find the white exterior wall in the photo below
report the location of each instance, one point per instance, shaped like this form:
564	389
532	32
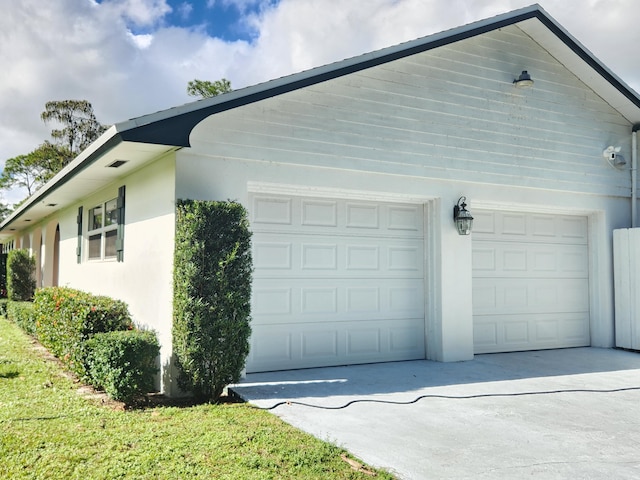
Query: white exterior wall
428	129
144	279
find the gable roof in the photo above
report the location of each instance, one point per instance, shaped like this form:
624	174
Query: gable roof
142	139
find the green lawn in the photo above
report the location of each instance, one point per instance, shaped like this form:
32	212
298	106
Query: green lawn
49	431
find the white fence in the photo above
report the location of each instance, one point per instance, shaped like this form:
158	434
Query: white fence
626	264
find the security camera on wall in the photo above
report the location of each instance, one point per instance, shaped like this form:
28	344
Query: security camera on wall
612	154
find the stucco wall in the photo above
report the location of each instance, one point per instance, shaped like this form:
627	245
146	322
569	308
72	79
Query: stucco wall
144	278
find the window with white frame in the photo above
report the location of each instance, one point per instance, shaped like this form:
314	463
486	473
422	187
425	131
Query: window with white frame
103	230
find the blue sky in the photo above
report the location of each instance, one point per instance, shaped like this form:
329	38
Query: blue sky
220	19
224	19
134	57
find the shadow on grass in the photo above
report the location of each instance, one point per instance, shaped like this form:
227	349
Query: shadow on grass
153	400
7	370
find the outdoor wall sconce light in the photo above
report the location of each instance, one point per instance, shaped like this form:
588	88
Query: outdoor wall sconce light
524	80
462	217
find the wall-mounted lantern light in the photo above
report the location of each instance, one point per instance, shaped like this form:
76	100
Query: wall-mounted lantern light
462	217
524	80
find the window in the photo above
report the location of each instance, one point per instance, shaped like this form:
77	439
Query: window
103	230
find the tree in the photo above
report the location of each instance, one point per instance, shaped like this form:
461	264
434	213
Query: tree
207	89
81	127
5	211
32	170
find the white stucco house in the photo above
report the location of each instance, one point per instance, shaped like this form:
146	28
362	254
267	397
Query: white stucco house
350	173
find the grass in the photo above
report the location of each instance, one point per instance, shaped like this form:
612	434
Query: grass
49	431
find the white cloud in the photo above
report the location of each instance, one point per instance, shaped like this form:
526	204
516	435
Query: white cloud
141	41
143	13
85	50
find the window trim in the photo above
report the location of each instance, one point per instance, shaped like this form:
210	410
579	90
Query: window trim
116	226
103	230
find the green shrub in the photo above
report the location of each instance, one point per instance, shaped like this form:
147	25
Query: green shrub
66	318
212	291
23	314
123	364
3	275
21	268
3	306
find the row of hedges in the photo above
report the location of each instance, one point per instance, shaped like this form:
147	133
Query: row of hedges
93	336
66	318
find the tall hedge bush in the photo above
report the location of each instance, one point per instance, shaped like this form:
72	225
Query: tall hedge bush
212	293
66	318
21	280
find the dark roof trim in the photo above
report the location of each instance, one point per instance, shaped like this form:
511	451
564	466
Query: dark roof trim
587	57
62	177
175	129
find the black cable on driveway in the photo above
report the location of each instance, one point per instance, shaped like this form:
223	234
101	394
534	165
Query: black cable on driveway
448	397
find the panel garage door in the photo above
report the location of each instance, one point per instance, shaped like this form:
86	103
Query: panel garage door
336	282
530	281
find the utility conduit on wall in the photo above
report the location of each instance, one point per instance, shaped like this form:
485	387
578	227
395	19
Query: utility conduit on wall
634	175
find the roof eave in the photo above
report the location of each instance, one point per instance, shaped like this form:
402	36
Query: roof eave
108	140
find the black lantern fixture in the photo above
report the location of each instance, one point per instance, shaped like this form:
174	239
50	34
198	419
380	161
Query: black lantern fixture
524	80
462	217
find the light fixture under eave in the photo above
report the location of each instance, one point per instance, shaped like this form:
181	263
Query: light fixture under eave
462	217
524	80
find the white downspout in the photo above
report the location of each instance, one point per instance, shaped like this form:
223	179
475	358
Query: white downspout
634	175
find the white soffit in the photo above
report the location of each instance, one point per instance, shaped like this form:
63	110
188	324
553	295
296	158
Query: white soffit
87	181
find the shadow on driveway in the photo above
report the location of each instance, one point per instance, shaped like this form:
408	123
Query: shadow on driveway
331	385
570	413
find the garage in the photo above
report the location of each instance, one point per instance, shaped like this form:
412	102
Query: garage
530	281
336	282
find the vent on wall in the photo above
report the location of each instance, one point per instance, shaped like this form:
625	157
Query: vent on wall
117	163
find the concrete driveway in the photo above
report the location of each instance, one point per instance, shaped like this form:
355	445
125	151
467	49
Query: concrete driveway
555	414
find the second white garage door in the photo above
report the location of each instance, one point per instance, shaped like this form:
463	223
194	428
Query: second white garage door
530	281
336	282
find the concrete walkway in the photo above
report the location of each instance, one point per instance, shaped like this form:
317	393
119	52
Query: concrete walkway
555	414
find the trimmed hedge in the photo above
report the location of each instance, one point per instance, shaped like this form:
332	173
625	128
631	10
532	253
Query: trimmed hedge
123	364
212	293
66	318
21	268
23	314
94	337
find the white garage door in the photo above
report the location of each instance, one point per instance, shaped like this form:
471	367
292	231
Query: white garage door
336	282
530	281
